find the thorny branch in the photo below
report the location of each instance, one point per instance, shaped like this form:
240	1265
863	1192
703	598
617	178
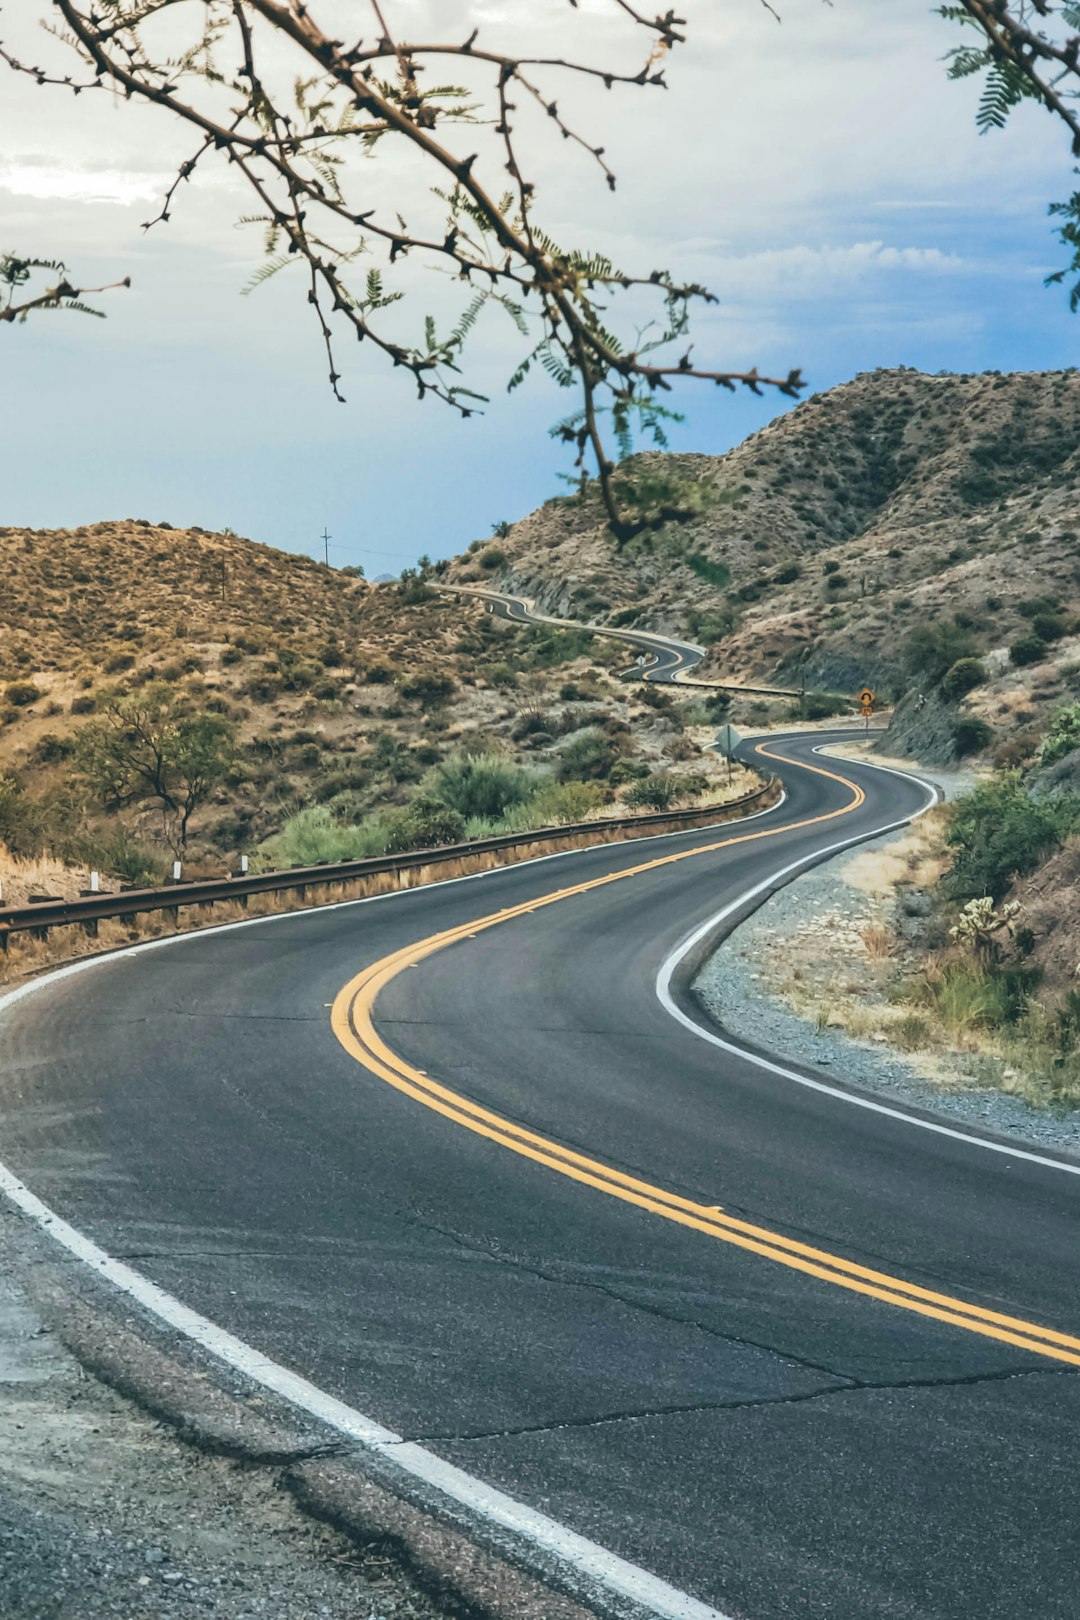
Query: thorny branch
17	300
1027	50
291	134
291	138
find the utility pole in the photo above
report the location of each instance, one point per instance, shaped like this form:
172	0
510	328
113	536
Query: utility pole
326	546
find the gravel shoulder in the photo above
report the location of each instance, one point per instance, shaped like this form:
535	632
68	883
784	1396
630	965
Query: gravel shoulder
740	988
103	1512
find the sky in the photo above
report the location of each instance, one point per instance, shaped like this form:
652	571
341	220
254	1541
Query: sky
819	174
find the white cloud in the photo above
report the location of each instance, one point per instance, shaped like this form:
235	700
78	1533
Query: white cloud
51	183
816	268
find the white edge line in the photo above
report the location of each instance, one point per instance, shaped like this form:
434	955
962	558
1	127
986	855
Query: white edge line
585	1557
575	1552
683	949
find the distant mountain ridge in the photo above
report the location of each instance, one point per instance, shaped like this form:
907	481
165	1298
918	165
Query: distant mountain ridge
824	538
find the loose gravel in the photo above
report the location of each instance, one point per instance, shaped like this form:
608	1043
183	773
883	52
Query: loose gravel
104	1513
732	988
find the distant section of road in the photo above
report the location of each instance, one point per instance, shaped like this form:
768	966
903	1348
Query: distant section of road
669	661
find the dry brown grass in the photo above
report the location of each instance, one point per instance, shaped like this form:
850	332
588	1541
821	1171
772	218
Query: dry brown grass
19	878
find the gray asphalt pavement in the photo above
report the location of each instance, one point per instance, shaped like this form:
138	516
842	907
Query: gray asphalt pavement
758	1435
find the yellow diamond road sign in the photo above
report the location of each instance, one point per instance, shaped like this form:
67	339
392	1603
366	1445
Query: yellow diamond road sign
867	698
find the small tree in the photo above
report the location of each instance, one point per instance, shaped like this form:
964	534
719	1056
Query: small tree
151	745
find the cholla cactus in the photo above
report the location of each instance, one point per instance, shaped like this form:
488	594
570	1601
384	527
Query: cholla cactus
980	923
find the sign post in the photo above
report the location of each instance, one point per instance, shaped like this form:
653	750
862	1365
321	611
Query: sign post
727	740
867	699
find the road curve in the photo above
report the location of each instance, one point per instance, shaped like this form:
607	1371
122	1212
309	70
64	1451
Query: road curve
448	1154
670	661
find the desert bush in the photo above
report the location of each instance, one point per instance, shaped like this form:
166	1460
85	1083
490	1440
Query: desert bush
970	735
428	689
652	793
20	694
425	824
313	835
558	802
493	557
1030	649
822	706
627	770
119	855
788	574
22	821
1063	735
377	673
83	705
961	678
713	573
482	785
933	648
502	676
967	995
1049	627
588	758
997	832
50	748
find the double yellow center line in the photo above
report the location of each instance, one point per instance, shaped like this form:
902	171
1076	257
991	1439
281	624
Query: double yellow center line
353	1023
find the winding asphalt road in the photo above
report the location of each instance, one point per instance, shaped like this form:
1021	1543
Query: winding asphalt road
449	1155
669	662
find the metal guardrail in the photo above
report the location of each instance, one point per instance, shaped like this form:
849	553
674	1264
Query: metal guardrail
87	912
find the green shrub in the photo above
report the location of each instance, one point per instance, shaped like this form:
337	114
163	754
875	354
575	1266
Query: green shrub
627	770
713	573
377	674
22	693
969	995
961	678
558	802
1029	649
51	748
970	735
588	758
502	676
932	649
822	706
83	705
997	832
493	557
429	690
119	856
484	785
654	793
1049	627
426	824
1064	734
313	835
788	574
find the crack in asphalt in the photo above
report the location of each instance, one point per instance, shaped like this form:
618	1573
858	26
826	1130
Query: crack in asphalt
800	1398
533	1269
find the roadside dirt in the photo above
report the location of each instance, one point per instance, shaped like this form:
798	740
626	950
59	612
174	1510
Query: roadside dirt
103	1512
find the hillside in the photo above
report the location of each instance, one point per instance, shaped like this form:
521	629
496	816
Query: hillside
825	540
342	697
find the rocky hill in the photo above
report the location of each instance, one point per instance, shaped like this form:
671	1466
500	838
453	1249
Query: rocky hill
340	695
820	545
